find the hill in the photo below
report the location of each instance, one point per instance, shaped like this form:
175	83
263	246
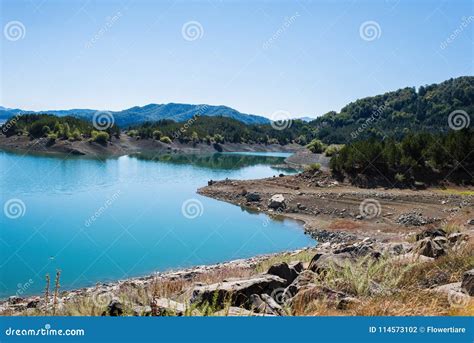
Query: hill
152	112
394	114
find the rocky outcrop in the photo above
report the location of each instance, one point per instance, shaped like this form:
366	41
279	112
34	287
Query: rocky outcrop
322	262
285	271
252	197
236	291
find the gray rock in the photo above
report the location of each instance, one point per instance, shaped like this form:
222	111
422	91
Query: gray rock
252	197
305	279
457	237
284	271
115	308
277	201
431	232
142	311
322	262
430	247
265	304
237	291
168	307
237	312
467	282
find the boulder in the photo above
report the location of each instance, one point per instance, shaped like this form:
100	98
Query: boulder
277	201
316	292
251	197
431	232
237	291
34	303
305	279
142	311
431	247
457	237
115	308
265	304
322	262
237	312
467	282
286	272
168	307
409	258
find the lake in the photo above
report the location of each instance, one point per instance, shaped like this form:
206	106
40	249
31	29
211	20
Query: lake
99	220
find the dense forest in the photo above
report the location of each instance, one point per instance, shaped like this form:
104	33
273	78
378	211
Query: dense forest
418	156
54	128
395	114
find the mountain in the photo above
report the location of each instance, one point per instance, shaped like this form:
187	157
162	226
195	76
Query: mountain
152	112
305	119
432	108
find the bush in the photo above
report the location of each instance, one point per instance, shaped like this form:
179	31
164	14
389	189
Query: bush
313	167
51	138
399	177
316	146
100	137
218	138
157	134
166	140
332	149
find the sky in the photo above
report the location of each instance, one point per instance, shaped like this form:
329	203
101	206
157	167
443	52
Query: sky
259	57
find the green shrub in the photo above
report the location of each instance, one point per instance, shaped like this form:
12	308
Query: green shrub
100	137
166	140
313	167
399	177
316	146
157	134
332	149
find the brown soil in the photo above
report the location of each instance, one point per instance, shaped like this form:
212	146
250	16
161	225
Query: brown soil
323	203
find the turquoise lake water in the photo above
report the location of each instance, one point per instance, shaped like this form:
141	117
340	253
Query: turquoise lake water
102	220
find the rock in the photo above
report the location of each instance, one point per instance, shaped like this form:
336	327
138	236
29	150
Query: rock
238	291
33	303
322	262
277	201
449	288
13	300
305	279
142	311
284	271
252	197
431	232
409	258
430	247
265	304
412	219
168	307
115	308
457	237
347	303
316	292
467	282
210	182
419	185
470	222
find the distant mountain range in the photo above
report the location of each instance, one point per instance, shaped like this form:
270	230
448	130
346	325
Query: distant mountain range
151	112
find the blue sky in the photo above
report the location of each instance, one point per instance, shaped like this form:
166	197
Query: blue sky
304	57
